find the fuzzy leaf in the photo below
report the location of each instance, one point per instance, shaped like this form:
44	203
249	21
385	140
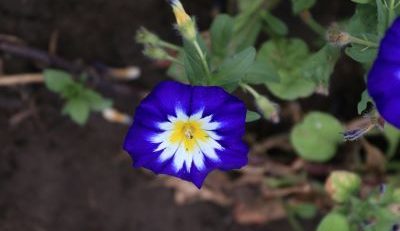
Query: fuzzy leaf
300	5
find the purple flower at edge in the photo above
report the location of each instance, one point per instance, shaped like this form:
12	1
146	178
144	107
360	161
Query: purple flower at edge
384	77
187	131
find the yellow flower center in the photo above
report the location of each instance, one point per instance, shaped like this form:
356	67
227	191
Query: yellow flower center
188	133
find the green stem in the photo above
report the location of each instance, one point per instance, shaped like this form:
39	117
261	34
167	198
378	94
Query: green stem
309	20
392	12
363	42
174	60
169	46
251	90
203	59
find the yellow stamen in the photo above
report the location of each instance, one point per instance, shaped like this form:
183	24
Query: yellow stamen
189	133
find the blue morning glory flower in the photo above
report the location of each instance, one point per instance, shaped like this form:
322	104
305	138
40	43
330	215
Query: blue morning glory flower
187	131
384	77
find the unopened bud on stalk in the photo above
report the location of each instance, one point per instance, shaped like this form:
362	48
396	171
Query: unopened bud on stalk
114	116
341	185
337	37
146	37
184	22
268	109
155	53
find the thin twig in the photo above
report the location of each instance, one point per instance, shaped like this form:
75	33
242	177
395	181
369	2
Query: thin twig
21	79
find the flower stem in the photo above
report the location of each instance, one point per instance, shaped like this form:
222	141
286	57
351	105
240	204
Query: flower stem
392	13
203	59
169	46
363	42
310	21
251	90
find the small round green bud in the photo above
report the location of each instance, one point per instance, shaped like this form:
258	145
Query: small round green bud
341	185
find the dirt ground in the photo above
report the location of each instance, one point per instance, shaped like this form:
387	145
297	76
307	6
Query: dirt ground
55	175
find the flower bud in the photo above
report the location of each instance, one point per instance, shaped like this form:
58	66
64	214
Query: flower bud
268	109
155	53
337	37
341	185
185	23
145	37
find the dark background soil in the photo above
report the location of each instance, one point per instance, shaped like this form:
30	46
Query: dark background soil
55	175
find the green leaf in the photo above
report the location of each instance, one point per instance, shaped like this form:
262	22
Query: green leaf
317	137
361	1
78	110
301	5
363	21
252	116
287	57
95	101
334	222
392	135
382	17
274	24
260	73
196	72
305	210
234	68
362	105
57	80
361	54
319	67
221	34
177	70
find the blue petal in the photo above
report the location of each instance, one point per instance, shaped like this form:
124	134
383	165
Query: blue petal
162	102
139	147
168	95
234	156
384	77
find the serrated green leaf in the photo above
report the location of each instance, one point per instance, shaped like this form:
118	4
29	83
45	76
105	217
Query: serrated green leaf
274	24
362	105
221	33
234	68
95	101
317	137
299	6
78	110
319	66
57	80
252	116
334	222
